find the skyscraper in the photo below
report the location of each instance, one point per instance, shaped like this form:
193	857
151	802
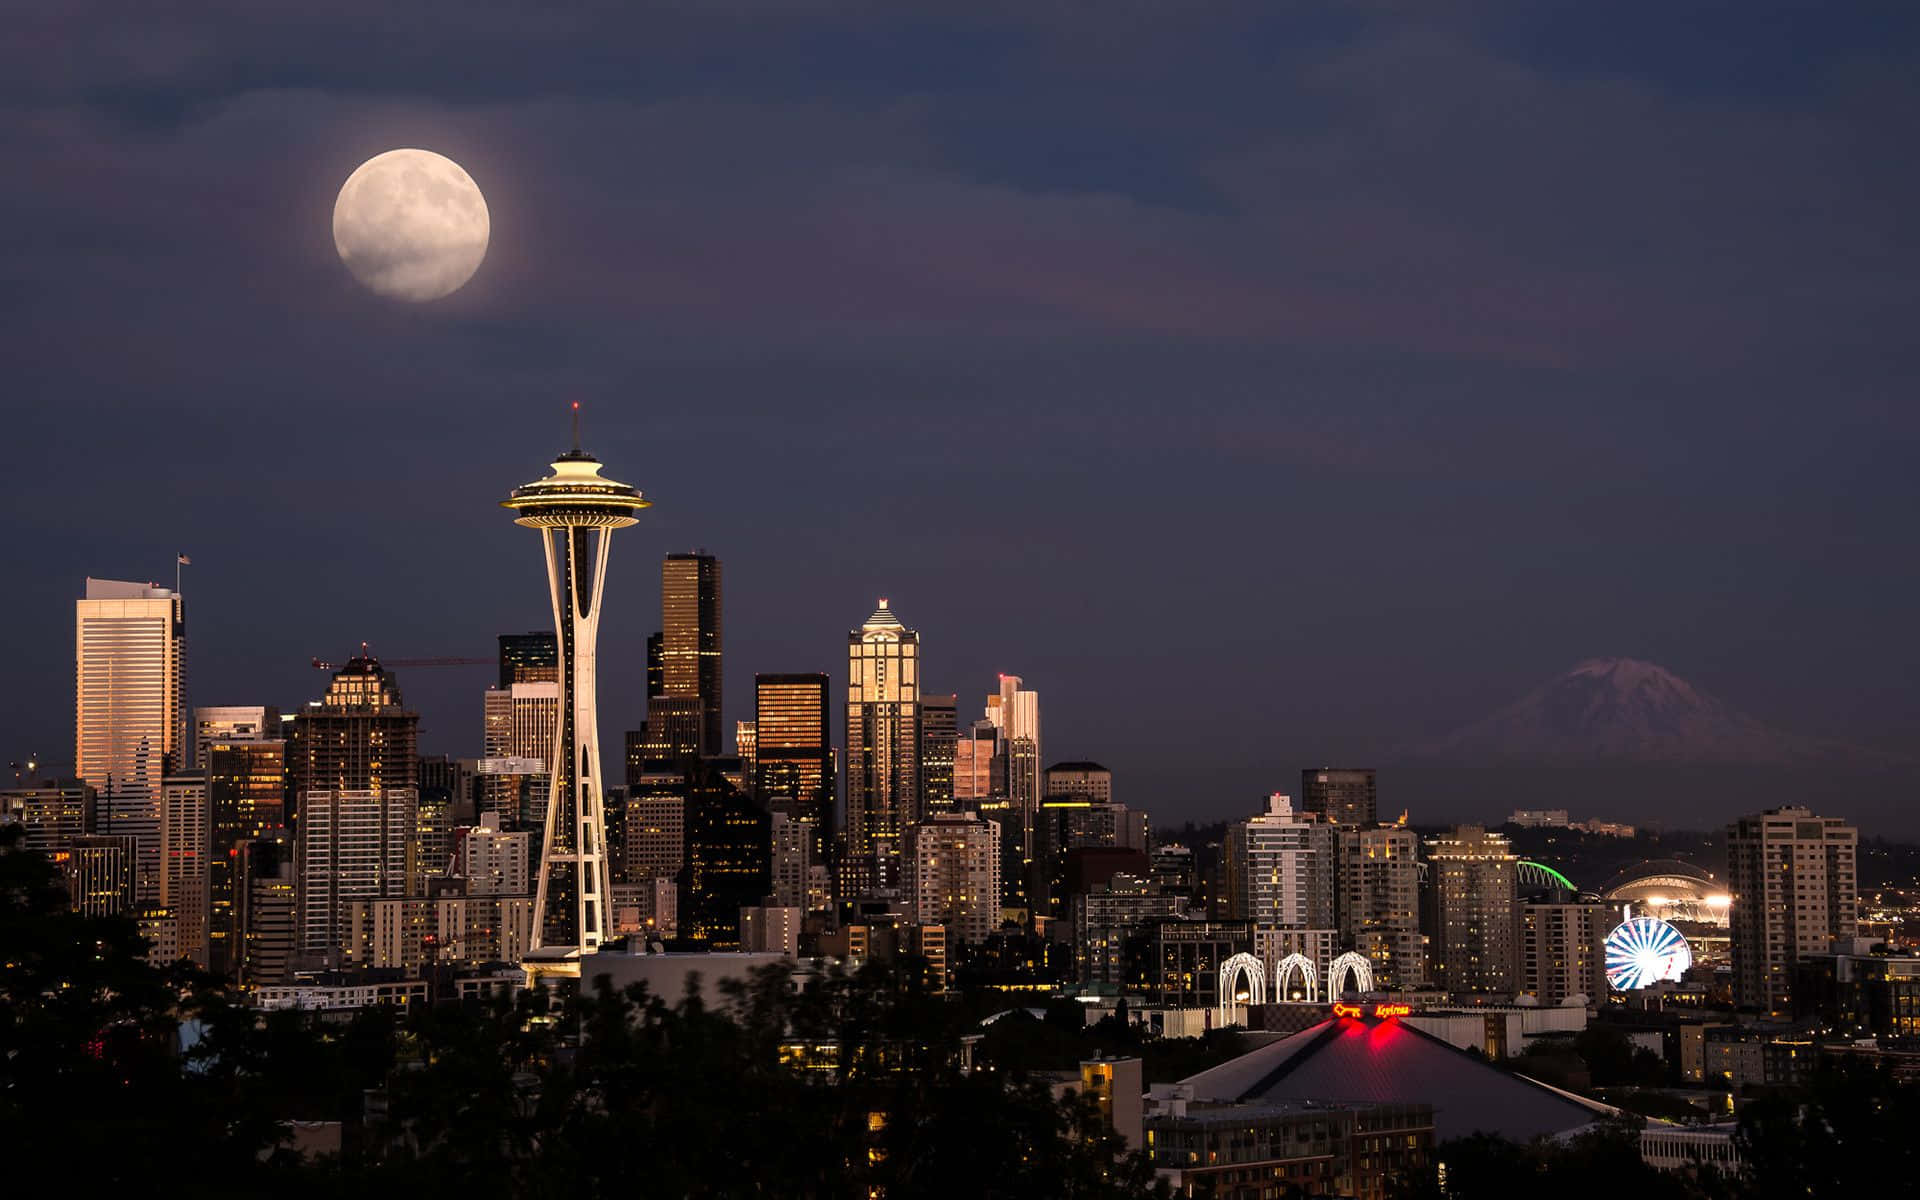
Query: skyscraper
1340	795
353	845
266	909
690	639
939	737
231	723
575	512
359	736
246	797
729	859
130	729
883	749
1795	884
184	845
529	658
793	752
979	771
1015	711
1473	917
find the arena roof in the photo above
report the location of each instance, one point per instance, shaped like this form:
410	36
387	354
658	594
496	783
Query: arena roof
1667	872
1387	1061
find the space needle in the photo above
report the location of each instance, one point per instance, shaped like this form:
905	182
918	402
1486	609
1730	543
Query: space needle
576	511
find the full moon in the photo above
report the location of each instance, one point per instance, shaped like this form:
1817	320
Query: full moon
411	224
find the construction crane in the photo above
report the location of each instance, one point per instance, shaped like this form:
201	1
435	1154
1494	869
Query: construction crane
321	664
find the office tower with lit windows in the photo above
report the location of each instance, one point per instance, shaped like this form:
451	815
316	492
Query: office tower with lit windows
358	737
690	640
793	751
655	841
130	729
1377	901
1087	781
729	859
1473	919
746	746
979	770
233	723
446	804
674	728
1563	948
266	909
98	872
1340	795
529	658
185	842
50	813
1794	877
575	512
1278	868
883	750
939	737
246	797
956	875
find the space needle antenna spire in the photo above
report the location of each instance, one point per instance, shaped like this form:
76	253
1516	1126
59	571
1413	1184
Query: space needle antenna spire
576	427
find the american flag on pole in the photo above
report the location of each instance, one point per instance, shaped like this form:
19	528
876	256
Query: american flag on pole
183	560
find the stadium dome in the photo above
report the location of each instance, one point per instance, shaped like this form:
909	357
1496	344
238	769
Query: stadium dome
1671	890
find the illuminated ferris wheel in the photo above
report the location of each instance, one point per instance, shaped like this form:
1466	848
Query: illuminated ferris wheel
1644	951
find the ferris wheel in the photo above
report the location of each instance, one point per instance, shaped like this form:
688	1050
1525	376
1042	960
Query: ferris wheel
1643	951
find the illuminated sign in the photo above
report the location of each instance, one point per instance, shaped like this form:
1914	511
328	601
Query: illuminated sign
1379	1010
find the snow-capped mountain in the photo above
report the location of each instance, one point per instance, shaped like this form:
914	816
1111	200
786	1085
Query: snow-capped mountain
1622	711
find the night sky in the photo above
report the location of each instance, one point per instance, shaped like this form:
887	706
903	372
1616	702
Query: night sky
1263	384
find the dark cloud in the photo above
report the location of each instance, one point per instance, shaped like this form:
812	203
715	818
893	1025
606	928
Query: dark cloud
1257	382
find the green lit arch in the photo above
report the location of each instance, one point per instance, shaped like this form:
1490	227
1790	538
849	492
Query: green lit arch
1540	874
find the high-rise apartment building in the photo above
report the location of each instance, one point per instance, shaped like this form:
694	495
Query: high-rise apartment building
130	727
939	738
1563	949
529	658
1377	901
792	861
246	797
1794	878
1279	869
690	639
493	863
185	841
575	511
1340	795
1473	914
883	750
352	845
956	875
793	751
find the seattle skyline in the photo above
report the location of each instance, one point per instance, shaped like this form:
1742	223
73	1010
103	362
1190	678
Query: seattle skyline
1375	409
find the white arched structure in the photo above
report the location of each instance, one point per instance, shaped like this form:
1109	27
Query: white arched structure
1285	969
1241	966
1351	963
